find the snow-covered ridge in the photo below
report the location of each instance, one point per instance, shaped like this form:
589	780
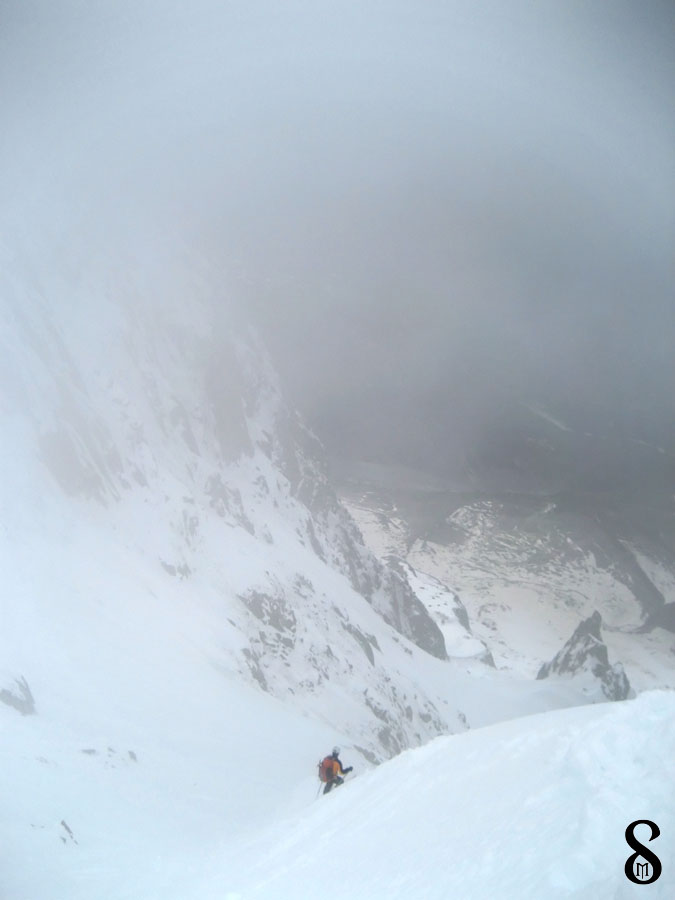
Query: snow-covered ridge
522	810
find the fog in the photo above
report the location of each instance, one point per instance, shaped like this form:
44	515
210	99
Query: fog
435	212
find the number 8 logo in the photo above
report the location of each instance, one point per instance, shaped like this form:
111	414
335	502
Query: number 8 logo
635	870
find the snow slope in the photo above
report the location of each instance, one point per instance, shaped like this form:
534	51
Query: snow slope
531	808
188	617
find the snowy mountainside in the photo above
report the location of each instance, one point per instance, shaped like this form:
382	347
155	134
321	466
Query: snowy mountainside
189	616
156	429
529	568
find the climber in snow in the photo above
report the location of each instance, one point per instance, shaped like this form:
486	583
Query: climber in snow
331	771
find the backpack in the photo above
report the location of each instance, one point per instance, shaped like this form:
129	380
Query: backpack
326	769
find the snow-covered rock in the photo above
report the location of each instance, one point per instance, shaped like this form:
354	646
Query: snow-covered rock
17	694
447	609
528	567
585	657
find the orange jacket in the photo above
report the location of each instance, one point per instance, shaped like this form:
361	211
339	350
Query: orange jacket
337	767
332	767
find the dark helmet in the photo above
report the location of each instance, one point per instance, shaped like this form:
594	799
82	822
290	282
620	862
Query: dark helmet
336	751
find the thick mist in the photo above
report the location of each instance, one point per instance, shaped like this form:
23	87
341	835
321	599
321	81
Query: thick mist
436	213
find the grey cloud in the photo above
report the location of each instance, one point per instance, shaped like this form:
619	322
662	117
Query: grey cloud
428	207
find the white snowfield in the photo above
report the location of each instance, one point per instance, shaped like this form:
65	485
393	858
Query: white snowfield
535	807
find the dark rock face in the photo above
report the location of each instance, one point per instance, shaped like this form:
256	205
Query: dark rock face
410	616
336	539
662	618
586	654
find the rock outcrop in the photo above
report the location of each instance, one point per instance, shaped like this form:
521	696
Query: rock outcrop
19	697
584	656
